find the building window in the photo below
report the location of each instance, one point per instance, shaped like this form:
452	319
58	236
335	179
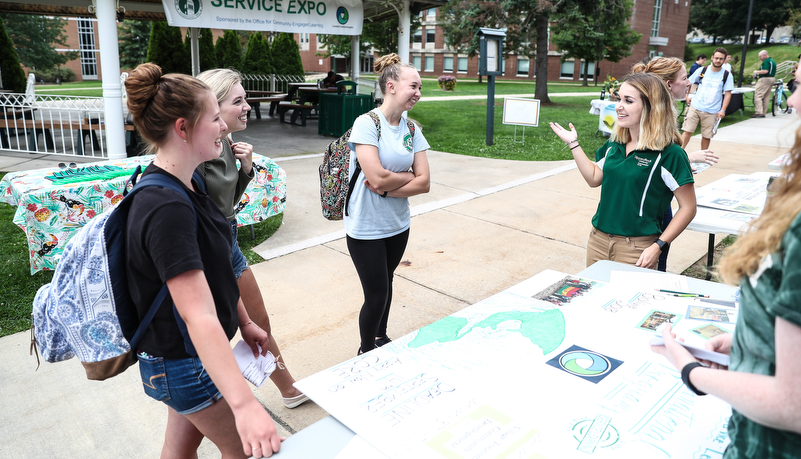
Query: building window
430	35
447	64
86	38
367	63
303	40
432	13
522	67
462	63
567	69
429	64
416	62
657	18
590	70
418	36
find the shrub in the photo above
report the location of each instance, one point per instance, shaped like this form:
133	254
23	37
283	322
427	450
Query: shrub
63	75
447	82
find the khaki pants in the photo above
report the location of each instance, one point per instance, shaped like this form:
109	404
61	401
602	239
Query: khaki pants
762	94
623	249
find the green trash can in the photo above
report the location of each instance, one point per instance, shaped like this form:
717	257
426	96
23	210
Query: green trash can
339	110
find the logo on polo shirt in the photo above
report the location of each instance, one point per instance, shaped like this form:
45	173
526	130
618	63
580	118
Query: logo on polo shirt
643	162
407	142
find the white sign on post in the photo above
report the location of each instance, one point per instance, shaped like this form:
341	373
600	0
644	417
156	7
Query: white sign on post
334	17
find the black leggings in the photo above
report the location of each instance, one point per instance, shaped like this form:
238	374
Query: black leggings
375	262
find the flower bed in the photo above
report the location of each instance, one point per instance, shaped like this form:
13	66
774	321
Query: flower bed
447	82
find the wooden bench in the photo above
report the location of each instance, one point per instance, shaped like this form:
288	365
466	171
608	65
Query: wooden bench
304	111
274	100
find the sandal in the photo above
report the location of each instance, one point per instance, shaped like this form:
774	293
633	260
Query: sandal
382	341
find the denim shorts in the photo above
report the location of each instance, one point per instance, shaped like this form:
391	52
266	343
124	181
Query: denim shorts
238	260
182	384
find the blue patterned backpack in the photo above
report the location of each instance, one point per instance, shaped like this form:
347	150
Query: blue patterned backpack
86	311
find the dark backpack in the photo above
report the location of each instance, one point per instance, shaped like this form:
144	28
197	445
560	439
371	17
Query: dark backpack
335	189
725	77
86	310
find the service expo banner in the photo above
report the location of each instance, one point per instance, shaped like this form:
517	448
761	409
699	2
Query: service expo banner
331	17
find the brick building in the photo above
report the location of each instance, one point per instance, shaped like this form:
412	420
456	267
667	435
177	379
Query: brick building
663	24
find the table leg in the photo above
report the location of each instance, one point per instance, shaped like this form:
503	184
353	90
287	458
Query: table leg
710	256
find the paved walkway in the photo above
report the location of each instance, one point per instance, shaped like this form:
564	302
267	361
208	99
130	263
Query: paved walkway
484	226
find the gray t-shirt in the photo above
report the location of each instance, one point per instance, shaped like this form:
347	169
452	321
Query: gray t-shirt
371	216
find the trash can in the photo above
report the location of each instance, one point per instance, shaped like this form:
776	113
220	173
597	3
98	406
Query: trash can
339	110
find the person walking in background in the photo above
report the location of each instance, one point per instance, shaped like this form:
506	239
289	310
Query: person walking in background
393	160
709	97
187	245
727	63
766	75
641	168
673	72
226	184
700	60
761	381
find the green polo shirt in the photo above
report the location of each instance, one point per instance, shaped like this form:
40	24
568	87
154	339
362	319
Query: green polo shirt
769	65
773	291
636	190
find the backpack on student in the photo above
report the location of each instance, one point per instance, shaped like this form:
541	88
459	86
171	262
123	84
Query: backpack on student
86	311
335	189
725	77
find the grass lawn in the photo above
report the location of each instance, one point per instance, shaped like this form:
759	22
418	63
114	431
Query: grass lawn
459	126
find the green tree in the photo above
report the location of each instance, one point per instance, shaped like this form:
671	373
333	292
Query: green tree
526	30
208	57
166	49
134	38
257	55
595	30
727	18
10	70
229	54
36	38
286	55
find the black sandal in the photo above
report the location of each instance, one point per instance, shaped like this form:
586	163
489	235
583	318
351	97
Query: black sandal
382	341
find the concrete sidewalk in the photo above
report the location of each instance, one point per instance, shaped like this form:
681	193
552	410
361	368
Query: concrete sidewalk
484	226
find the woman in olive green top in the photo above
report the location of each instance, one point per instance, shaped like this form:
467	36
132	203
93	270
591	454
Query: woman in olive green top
225	184
764	375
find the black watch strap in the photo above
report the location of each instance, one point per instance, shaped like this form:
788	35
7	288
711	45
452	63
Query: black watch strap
685	376
662	244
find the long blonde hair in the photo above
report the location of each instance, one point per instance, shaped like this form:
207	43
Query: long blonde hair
658	118
764	234
220	81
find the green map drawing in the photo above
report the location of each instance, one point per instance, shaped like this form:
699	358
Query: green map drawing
545	329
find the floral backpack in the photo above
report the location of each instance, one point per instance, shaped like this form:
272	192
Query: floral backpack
335	189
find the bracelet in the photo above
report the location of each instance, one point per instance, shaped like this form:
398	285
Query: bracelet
385	194
575	146
685	376
246	324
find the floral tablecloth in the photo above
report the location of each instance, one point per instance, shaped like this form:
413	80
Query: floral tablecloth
52	204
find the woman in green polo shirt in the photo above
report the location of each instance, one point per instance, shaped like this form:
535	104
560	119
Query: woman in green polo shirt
764	375
641	168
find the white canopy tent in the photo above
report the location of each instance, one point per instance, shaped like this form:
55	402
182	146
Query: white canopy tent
106	12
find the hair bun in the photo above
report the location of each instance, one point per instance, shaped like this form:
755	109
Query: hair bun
385	61
142	86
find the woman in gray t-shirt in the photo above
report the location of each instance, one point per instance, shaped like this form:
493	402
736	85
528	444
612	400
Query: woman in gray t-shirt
392	156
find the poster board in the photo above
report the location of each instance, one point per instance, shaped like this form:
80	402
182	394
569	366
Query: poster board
521	112
557	366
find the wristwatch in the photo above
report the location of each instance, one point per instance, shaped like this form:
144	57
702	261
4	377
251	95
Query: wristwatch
662	244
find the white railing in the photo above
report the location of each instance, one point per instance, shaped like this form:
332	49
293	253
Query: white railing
64	125
272	82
